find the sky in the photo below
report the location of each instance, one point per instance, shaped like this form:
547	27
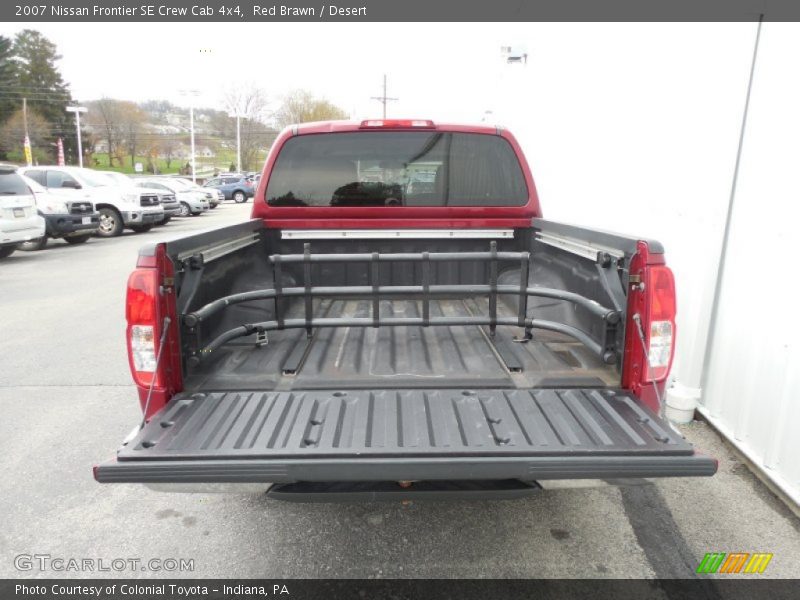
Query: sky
436	71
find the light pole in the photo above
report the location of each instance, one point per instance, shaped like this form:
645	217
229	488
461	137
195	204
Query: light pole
78	110
238	141
192	94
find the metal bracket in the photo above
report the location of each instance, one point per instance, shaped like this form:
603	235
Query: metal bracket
607	267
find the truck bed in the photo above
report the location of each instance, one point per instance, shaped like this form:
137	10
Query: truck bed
401	357
373	396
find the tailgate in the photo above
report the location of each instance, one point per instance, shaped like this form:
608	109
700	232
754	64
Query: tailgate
384	435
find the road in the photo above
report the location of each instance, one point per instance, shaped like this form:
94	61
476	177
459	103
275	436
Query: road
67	403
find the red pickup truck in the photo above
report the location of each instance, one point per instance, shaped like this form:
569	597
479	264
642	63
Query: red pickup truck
398	320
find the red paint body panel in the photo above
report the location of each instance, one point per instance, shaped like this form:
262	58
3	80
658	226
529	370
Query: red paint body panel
392	217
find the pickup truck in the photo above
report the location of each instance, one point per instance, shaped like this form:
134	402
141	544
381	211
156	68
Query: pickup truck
362	337
118	209
66	218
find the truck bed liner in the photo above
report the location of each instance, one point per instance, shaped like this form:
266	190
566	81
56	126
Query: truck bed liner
404	423
401	357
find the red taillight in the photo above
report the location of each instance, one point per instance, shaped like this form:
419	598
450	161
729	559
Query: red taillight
398	123
141	312
660	323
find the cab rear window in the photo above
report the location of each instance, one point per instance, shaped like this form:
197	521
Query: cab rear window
397	168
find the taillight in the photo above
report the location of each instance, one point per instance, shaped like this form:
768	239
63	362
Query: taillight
661	317
141	312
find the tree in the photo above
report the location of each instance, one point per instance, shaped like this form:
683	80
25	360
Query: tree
132	123
12	134
106	117
255	135
167	147
9	100
301	106
38	79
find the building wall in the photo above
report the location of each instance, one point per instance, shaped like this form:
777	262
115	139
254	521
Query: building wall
634	128
752	381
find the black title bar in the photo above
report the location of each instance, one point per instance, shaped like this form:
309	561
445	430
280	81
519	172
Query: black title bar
398	10
744	588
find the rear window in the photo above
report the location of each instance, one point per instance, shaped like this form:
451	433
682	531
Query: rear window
11	184
397	168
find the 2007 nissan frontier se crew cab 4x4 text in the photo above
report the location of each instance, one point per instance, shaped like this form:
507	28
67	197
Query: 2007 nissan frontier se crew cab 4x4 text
398	320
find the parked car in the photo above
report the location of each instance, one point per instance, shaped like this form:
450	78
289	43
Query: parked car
74	221
19	219
214	197
192	202
166	200
522	350
119	209
234	186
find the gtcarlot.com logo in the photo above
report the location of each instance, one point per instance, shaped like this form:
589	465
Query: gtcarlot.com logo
71	564
734	563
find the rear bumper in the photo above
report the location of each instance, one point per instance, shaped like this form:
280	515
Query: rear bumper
399	469
15	231
60	225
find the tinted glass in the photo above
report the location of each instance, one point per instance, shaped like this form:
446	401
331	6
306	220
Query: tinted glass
11	184
397	168
56	179
37	176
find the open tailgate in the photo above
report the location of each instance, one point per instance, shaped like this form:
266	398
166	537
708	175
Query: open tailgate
390	435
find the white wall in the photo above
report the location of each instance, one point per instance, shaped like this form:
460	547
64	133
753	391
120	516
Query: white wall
753	379
634	128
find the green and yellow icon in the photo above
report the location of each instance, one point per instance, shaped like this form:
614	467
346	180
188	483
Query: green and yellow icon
734	562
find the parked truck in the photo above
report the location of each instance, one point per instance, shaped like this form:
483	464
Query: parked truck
364	336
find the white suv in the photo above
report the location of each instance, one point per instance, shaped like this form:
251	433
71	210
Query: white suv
19	221
118	208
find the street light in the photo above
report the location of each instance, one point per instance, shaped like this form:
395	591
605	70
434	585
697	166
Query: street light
78	110
194	94
238	140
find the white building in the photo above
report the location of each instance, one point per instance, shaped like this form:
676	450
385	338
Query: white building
645	142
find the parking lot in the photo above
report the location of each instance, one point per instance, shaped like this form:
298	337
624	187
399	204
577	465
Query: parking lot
67	402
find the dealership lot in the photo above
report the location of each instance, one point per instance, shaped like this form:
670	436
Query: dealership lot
67	402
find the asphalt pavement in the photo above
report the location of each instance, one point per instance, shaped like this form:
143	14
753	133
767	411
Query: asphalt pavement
67	402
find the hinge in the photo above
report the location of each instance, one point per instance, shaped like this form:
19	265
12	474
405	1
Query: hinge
635	278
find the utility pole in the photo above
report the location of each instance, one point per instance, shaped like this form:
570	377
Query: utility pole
192	94
237	115
238	145
384	99
27	143
78	110
25	114
191	128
